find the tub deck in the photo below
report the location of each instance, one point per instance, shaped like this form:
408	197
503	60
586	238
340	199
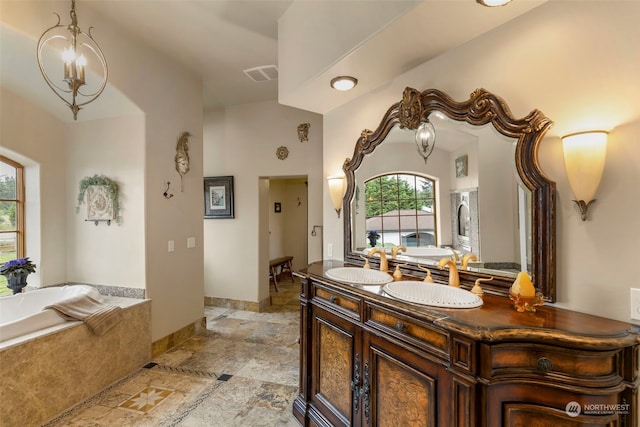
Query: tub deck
44	374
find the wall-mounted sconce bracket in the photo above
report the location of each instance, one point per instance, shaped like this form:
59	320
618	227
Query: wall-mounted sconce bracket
584	207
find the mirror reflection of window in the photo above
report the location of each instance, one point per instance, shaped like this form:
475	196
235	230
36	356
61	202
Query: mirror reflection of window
400	208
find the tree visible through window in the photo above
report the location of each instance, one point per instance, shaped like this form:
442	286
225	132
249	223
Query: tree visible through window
400	208
11	213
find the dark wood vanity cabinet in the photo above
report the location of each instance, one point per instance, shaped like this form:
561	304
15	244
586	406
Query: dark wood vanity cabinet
367	360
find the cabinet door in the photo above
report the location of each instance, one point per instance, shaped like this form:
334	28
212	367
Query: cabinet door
334	364
401	387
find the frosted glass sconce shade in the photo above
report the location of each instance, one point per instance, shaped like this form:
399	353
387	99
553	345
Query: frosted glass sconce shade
584	157
336	191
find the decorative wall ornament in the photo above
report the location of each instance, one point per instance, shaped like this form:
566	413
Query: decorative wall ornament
410	109
282	152
182	156
303	131
166	193
102	198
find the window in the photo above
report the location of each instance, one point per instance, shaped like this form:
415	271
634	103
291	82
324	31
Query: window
400	210
11	212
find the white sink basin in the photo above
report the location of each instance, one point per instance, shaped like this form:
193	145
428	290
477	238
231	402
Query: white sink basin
432	294
358	276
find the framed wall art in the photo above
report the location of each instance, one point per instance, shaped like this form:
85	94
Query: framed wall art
461	166
218	197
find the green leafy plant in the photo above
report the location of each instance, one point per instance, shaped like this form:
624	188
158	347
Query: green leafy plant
17	267
112	189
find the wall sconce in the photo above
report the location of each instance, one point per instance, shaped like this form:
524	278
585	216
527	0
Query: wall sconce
344	83
336	191
77	46
584	156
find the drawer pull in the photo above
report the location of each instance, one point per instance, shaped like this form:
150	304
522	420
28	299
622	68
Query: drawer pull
332	299
400	326
544	364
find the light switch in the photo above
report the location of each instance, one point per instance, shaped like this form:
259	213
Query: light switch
191	242
170	246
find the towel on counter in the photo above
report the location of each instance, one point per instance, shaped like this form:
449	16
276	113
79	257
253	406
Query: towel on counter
99	317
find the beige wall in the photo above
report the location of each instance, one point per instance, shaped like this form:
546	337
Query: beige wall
36	139
540	61
242	141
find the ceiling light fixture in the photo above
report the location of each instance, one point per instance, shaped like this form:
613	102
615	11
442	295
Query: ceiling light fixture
493	3
344	83
76	46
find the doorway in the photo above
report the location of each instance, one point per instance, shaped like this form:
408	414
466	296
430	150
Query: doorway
288	219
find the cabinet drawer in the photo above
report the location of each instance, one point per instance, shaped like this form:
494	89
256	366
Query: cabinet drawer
349	304
409	330
581	367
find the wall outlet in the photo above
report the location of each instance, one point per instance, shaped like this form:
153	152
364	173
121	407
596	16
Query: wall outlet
635	304
191	242
329	250
170	246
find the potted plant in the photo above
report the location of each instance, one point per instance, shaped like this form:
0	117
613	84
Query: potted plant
16	272
373	237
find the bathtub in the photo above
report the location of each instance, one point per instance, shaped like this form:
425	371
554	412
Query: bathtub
24	313
45	372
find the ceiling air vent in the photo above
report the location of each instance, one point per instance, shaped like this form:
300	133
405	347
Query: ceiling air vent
263	73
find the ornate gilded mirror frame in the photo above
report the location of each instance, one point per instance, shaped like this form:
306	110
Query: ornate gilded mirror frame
481	108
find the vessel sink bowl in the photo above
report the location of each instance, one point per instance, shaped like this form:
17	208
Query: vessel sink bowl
432	294
358	276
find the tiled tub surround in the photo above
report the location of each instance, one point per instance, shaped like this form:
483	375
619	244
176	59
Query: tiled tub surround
47	372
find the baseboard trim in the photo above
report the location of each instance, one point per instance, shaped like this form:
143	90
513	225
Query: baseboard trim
238	304
178	337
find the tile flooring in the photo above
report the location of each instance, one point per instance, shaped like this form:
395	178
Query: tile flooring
242	371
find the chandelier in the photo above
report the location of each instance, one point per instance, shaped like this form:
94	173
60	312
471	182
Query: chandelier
68	80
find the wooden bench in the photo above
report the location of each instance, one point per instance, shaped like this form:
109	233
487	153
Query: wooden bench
284	264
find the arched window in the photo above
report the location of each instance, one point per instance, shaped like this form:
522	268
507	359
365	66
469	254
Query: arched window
11	212
400	210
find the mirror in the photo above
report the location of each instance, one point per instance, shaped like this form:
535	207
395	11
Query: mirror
480	191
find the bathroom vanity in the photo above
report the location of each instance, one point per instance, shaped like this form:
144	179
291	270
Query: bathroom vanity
367	359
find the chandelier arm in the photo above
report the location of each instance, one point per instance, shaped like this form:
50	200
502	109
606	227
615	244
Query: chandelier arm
50	83
103	61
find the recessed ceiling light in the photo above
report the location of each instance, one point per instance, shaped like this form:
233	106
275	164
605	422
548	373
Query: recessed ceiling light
493	3
344	83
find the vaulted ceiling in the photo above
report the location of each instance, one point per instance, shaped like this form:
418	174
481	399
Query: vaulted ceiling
309	41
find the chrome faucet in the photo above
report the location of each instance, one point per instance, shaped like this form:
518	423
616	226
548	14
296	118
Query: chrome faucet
384	265
396	249
465	260
454	278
